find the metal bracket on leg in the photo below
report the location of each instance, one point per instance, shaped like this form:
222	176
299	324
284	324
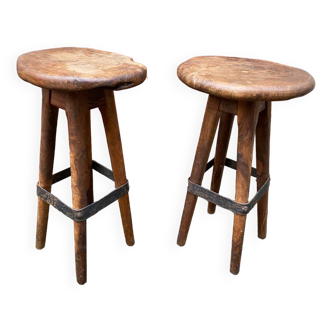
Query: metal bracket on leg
90	210
225	202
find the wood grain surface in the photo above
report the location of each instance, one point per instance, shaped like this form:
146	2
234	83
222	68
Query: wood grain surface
72	68
263	131
245	79
247	120
47	148
77	115
209	127
112	131
224	134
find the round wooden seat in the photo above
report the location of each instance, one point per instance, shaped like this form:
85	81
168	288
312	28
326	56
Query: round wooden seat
245	79
72	68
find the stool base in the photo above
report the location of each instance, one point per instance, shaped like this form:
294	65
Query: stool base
77	105
253	118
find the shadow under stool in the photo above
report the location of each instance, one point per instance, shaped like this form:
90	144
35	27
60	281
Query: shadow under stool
246	88
78	80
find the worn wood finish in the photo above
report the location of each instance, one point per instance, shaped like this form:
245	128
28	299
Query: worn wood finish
231	106
112	131
95	98
228	106
77	114
224	134
245	79
89	178
246	88
47	148
71	68
247	121
78	80
229	109
263	131
209	127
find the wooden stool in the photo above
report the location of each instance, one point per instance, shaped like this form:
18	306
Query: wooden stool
78	80
246	88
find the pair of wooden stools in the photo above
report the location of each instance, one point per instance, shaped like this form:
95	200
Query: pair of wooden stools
78	80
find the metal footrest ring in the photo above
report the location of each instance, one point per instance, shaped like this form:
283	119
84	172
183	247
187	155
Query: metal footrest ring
90	210
225	202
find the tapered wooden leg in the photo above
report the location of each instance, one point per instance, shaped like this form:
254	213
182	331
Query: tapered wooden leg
47	147
89	175
247	121
76	110
224	134
263	165
89	185
112	130
209	127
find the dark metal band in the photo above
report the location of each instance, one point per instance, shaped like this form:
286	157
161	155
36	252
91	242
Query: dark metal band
90	210
225	202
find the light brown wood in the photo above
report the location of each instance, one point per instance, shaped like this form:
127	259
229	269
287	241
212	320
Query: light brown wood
245	79
224	134
112	131
209	127
47	148
77	114
72	68
263	131
247	121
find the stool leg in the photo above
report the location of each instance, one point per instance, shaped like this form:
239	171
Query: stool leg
224	134
247	121
76	110
209	127
89	179
112	131
89	184
263	165
47	148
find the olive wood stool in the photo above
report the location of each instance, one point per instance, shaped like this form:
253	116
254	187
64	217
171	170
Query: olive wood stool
78	80
246	88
